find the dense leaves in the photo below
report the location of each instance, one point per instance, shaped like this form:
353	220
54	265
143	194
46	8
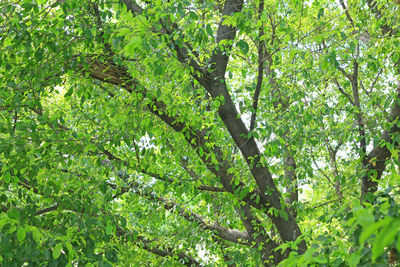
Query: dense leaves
199	133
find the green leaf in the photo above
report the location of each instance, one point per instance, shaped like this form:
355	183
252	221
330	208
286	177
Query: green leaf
365	218
57	251
292	54
283	247
352	46
21	234
123	31
69	248
109	229
354	259
36	235
158	93
332	59
12	229
7	177
158	70
385	238
193	15
395	57
244	46
372	228
134	44
27	4
209	30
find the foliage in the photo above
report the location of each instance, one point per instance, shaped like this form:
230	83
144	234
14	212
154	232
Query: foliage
203	133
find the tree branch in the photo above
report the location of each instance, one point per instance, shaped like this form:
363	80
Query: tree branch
133	7
222	232
348	76
375	162
225	33
346	11
341	90
260	70
43	211
357	104
332	157
386	29
169	28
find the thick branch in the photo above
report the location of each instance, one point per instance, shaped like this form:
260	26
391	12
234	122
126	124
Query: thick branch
386	29
133	7
376	159
225	35
260	71
290	174
357	104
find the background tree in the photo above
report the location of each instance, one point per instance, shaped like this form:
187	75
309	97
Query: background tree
199	132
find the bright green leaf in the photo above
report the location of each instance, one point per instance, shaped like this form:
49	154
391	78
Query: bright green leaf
57	251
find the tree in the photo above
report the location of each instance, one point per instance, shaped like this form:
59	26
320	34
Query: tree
199	132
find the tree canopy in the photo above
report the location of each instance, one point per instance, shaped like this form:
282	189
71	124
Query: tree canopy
199	133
